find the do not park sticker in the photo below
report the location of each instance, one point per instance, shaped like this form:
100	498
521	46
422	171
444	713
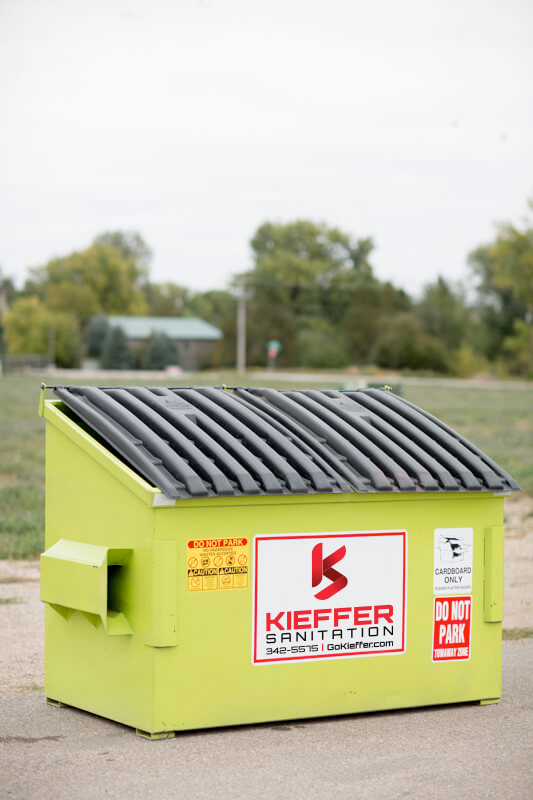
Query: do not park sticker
217	564
452	623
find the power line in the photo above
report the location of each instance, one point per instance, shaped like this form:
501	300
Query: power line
316	285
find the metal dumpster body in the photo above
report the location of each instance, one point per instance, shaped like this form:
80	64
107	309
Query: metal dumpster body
142	628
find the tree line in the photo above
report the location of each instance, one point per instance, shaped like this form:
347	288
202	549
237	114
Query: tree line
311	287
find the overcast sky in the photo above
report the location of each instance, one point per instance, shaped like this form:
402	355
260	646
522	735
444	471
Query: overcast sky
193	122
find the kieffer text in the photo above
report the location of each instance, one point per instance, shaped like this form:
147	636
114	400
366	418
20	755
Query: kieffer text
308	618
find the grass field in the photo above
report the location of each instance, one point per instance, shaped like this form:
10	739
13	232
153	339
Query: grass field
499	421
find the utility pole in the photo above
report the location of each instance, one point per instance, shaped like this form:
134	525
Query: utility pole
241	328
3	309
51	347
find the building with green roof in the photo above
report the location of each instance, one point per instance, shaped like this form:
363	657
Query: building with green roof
194	338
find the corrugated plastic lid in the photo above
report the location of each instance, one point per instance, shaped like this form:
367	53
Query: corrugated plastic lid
205	441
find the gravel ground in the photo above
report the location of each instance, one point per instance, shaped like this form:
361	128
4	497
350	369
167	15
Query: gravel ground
22	615
21	629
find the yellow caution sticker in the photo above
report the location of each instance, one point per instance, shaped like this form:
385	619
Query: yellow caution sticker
217	564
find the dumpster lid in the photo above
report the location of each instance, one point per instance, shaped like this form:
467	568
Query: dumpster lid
209	441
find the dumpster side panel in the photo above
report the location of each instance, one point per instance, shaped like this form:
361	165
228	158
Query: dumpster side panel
93	663
209	679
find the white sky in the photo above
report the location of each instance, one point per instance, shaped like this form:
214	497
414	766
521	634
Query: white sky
193	122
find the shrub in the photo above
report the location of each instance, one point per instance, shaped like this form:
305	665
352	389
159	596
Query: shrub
518	349
466	362
319	347
402	344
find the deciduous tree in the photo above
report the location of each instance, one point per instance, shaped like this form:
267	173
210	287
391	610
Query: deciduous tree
504	271
165	299
443	313
99	276
131	246
31	328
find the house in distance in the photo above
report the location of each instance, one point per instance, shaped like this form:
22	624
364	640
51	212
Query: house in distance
194	338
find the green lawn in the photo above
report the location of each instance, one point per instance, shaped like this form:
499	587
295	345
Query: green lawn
499	421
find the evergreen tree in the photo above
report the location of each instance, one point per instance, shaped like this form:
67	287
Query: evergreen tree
97	331
160	352
116	353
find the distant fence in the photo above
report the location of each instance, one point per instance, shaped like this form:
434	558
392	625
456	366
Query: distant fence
18	362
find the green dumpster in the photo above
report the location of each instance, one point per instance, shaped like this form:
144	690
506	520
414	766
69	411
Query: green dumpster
221	557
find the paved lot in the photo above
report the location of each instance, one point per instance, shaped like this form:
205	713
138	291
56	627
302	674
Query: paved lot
465	751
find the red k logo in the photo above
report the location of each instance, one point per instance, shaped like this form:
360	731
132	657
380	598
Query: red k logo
323	568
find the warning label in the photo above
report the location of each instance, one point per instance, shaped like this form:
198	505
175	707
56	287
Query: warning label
452	561
329	595
452	623
217	564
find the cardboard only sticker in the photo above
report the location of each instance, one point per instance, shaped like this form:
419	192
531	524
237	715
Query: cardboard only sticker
217	564
452	561
329	595
452	623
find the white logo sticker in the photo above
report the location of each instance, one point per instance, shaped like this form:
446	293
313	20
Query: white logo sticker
452	562
329	595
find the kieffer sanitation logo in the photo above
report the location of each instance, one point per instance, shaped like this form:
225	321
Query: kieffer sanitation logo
358	610
323	568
